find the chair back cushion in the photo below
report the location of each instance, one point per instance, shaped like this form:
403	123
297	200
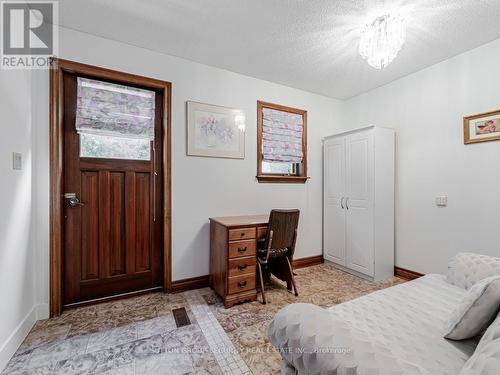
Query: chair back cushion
466	269
283	224
476	310
486	358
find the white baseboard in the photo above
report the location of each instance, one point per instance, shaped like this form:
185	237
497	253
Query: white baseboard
9	347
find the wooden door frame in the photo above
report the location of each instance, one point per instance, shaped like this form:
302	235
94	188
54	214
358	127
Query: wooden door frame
56	222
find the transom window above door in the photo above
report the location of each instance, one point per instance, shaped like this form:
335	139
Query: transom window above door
114	121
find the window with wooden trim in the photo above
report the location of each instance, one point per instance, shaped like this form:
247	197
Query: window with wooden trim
281	144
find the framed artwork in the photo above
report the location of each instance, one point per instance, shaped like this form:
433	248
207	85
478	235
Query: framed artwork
215	131
483	127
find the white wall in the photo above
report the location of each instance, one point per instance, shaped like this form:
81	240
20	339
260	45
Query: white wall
17	267
427	109
202	187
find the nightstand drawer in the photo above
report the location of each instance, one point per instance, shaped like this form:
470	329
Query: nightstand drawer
241	266
241	234
241	248
238	284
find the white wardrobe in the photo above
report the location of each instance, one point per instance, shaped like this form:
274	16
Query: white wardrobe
358	217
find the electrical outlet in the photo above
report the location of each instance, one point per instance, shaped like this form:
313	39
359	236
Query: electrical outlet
17	161
442	201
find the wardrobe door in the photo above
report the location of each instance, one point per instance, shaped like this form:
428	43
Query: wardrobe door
359	205
334	230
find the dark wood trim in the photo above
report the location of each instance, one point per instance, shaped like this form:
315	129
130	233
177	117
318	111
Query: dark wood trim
167	186
56	95
55	214
203	281
308	261
190	284
276	178
269	178
403	273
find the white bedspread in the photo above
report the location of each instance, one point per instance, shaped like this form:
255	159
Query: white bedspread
407	321
395	331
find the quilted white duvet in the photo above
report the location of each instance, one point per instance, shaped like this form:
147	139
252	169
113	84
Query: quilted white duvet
398	330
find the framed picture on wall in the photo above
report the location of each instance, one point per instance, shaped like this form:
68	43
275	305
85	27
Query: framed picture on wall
215	131
483	127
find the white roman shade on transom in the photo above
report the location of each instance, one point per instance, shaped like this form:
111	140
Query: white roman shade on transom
109	109
281	136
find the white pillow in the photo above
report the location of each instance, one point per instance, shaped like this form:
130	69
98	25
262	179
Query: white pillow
486	358
491	334
485	362
466	269
476	310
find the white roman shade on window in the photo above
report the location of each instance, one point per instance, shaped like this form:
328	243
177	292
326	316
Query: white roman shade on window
281	136
114	110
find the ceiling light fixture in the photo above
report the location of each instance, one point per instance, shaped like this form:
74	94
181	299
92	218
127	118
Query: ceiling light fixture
382	40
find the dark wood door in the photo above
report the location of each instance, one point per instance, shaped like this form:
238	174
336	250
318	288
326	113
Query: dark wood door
113	241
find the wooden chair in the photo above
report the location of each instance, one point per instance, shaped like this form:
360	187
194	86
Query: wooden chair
277	249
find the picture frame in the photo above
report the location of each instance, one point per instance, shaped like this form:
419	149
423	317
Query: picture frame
215	131
483	127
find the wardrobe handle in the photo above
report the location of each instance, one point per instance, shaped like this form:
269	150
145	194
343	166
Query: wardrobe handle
342	203
346	200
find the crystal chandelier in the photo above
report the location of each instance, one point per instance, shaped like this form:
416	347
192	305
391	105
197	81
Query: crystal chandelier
382	40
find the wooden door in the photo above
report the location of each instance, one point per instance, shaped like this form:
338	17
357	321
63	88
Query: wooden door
359	205
113	241
334	195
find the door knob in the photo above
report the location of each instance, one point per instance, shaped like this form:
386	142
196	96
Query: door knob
73	200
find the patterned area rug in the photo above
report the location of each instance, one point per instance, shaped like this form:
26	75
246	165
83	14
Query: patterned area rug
139	335
246	324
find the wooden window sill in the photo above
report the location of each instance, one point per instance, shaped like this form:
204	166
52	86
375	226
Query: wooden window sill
282	179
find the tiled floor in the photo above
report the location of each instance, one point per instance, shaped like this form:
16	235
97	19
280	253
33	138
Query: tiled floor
139	335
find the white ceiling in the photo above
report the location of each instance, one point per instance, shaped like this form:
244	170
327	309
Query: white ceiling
307	44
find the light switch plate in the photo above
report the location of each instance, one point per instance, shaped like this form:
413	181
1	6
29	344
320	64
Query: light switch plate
17	161
442	201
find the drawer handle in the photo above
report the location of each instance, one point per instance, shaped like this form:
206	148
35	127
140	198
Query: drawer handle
241	267
242	284
242	234
242	249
